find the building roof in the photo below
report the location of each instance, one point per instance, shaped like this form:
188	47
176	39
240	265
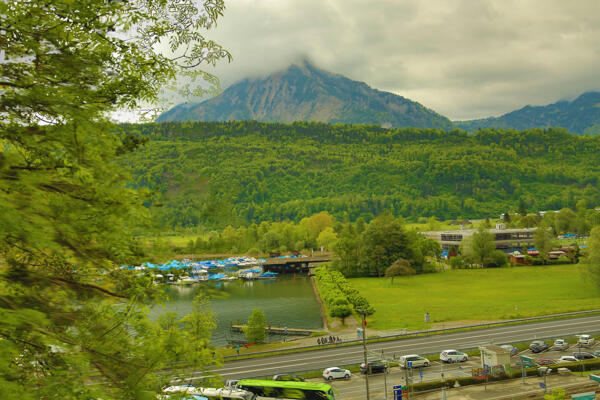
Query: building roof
493	230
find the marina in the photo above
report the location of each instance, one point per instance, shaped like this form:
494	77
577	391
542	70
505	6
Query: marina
187	272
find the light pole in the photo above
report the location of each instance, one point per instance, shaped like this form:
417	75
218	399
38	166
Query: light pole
385	379
580	358
443	381
364	326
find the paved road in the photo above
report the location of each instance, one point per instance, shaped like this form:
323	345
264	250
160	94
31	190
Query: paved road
323	358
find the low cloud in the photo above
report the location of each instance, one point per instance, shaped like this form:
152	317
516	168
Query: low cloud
462	58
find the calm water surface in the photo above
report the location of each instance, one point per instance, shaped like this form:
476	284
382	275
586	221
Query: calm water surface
287	302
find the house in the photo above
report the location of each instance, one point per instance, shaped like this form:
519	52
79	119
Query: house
518	258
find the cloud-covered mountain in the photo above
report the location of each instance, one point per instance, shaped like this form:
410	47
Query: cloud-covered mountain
305	93
581	116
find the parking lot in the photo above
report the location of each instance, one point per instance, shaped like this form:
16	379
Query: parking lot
355	387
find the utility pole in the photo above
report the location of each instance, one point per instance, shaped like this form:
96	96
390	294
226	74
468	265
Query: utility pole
385	378
364	325
406	379
443	381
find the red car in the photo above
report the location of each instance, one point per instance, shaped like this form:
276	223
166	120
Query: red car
545	361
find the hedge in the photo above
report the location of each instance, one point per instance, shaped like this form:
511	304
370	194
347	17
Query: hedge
336	291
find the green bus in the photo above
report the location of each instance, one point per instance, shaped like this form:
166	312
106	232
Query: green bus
287	389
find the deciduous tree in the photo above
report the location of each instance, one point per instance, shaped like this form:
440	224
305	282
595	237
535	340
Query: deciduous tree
543	240
67	309
400	267
384	241
255	330
479	247
593	255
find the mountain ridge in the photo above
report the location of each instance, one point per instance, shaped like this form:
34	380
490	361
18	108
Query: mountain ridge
306	93
580	115
303	92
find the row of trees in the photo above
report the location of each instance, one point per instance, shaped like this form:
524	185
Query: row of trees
338	294
313	232
364	249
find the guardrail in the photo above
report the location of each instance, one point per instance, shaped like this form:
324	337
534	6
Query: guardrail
422	332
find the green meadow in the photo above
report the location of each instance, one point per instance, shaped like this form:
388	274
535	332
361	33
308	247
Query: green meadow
477	295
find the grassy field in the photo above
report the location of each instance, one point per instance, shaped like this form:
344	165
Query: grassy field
477	295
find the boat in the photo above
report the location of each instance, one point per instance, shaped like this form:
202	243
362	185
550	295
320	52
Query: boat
268	275
188	280
216	277
250	274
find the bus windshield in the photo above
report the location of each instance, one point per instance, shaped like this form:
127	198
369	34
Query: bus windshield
287	389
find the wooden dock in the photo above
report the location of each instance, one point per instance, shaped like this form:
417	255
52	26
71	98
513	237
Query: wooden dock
274	330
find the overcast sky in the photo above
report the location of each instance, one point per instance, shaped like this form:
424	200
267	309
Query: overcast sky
462	58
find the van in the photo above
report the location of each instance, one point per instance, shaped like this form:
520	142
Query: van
413	361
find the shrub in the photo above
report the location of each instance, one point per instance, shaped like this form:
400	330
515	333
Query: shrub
458	262
497	259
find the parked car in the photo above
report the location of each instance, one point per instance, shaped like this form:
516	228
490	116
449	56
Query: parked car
288	377
586	341
527	363
537	346
513	350
545	361
583	355
567	359
414	361
376	367
560	344
597	353
336	373
451	356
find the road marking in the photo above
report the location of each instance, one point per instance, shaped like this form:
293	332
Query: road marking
355	355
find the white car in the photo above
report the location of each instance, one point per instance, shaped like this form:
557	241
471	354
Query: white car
451	356
414	361
336	373
586	340
560	344
567	359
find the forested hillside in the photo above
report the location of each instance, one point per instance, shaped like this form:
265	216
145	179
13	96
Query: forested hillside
220	173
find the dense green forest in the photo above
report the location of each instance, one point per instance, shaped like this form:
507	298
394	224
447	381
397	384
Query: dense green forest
216	174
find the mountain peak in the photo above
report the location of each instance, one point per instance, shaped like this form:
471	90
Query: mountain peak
303	92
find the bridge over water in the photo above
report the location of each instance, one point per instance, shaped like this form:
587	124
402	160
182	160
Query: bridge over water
294	264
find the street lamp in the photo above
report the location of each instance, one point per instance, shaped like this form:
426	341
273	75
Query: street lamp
385	379
364	337
580	357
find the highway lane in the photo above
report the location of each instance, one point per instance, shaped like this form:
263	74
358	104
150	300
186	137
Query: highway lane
339	356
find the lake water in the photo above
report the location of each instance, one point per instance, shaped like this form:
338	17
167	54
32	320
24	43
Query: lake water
288	301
